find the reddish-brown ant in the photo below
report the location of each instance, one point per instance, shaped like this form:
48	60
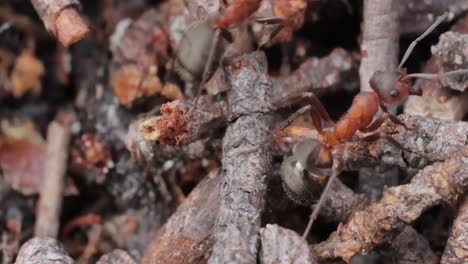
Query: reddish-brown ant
199	51
312	155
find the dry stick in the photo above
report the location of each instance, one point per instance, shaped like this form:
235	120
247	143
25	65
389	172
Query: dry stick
186	237
243	186
62	19
443	181
380	46
50	201
457	244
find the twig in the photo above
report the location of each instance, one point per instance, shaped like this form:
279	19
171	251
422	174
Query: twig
62	19
236	234
43	250
407	247
456	250
380	52
187	235
178	126
337	69
443	181
380	39
50	201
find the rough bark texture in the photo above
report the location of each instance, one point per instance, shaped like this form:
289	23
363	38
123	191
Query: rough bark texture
243	186
279	244
116	256
41	250
456	251
443	181
187	235
337	69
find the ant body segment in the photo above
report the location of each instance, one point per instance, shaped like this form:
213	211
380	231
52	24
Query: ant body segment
200	49
301	170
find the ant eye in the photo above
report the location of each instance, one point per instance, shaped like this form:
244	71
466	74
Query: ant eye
394	93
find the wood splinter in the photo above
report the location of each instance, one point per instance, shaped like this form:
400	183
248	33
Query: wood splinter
61	18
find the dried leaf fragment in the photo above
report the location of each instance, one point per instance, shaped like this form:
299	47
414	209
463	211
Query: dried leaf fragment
132	82
26	75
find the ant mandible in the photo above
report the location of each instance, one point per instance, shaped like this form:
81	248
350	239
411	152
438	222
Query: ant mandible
199	51
311	155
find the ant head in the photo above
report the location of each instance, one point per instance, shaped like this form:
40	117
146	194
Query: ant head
390	86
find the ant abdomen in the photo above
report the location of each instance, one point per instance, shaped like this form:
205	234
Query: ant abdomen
193	51
301	173
300	186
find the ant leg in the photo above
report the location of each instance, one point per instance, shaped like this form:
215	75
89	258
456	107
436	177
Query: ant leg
319	106
207	72
279	25
315	118
423	35
336	170
312	98
377	136
392	118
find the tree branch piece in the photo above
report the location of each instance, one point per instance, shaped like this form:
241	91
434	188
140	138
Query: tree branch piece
456	250
187	235
443	181
62	19
243	185
50	201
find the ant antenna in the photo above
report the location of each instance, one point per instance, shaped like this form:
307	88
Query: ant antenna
423	35
435	75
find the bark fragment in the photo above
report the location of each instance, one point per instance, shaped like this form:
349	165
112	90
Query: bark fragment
236	234
187	235
40	250
441	182
50	202
456	250
61	18
278	243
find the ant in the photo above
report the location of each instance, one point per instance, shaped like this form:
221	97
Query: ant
311	155
199	52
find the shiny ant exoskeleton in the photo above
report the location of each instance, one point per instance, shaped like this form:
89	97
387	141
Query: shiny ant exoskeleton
301	170
199	52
